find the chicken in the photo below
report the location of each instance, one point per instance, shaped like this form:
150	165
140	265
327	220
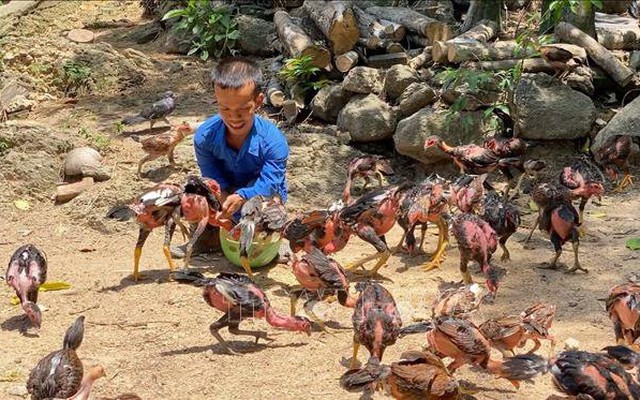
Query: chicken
261	217
561	60
530	168
154	112
582	189
376	320
596	375
408	197
366	167
371	217
26	272
624	355
60	373
537	321
467	192
503	217
417	375
241	298
318	228
545	194
614	154
163	144
322	275
623	306
458	302
464	342
477	241
560	220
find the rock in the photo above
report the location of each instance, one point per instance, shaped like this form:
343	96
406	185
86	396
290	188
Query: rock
256	35
571	344
553	111
85	162
19	103
465	127
634	60
363	80
145	33
367	118
625	122
176	43
397	79
482	95
415	96
81	36
329	101
18	390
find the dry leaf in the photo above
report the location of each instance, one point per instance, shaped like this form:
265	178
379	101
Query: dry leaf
22	205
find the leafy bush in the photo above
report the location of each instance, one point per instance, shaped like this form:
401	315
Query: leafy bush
301	71
214	29
75	76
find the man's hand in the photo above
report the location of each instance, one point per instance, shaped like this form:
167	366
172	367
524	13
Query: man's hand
232	204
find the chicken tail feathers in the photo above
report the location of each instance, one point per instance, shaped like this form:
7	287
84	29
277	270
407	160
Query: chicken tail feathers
133	120
420	327
247	230
523	367
120	212
364	379
75	334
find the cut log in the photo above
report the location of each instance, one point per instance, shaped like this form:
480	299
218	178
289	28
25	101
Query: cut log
81	36
394	31
619	72
386	60
415	96
344	62
67	192
393	47
414	21
421	59
369	26
458	52
275	94
297	43
337	22
290	111
533	65
617	33
483	32
417	40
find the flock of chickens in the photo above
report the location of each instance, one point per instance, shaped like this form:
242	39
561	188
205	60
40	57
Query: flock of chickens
479	217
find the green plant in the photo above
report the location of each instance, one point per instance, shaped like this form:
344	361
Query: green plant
4	145
214	29
75	75
119	128
557	7
301	71
99	141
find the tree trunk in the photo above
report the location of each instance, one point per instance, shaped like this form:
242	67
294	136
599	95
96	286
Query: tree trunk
296	42
336	21
617	32
375	35
528	65
619	72
414	21
483	9
67	192
397	32
275	95
471	51
421	59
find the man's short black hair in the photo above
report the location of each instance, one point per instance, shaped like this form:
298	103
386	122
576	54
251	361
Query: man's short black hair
235	72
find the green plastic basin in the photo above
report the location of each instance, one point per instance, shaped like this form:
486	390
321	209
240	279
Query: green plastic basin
260	254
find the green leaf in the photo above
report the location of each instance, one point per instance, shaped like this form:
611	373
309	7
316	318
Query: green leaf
633	244
219	37
179	12
204	55
192	51
597	4
233	35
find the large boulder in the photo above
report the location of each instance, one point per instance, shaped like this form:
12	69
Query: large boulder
329	101
367	118
455	129
547	109
625	122
472	97
397	79
256	35
363	80
416	96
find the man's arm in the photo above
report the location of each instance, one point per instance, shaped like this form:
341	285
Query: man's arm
272	174
210	166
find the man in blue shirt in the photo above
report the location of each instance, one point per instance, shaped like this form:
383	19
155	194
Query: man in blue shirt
245	153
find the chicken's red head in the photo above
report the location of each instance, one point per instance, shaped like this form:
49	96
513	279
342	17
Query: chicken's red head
33	312
432	141
594	189
303	324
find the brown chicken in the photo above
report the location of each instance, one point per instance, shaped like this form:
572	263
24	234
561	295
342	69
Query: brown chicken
366	167
545	194
530	168
537	321
371	217
464	342
321	229
614	155
623	306
376	320
629	358
503	217
417	375
322	276
582	189
261	217
60	373
477	241
26	272
597	375
241	298
163	144
457	302
467	192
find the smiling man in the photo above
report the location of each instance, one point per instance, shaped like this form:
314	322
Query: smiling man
245	153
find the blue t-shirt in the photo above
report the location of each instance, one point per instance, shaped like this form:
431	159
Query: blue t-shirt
258	168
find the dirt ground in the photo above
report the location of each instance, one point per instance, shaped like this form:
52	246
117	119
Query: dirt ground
153	338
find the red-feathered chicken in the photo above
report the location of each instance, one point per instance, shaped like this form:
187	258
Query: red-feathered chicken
27	270
371	217
320	275
505	333
417	375
458	302
321	229
614	155
60	373
477	241
623	306
467	192
261	217
367	167
461	340
503	217
376	320
580	188
544	195
241	298
596	375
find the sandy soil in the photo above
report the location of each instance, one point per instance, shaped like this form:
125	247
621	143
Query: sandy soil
153	338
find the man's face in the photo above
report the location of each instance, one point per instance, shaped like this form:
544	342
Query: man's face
237	107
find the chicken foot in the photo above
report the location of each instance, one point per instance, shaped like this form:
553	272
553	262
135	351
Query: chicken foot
354	358
143	234
626	181
443	240
576	262
215	327
368	234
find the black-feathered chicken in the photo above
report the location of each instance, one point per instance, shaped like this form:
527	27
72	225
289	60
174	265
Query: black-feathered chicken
154	112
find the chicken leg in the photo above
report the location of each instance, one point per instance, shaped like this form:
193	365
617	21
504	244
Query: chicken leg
368	234
626	181
215	327
443	241
576	263
143	234
194	238
354	358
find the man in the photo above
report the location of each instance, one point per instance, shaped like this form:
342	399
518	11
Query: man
245	153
